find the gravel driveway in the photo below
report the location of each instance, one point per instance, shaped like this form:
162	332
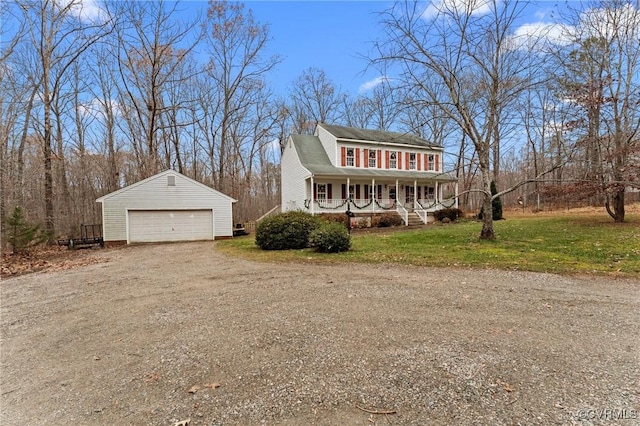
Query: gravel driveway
160	334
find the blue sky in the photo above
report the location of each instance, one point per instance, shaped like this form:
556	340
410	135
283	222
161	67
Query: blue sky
329	35
334	35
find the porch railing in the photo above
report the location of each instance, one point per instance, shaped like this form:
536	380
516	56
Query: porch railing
404	213
423	215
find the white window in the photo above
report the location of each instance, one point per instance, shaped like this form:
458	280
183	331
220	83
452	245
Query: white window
321	192
412	161
429	192
352	192
393	160
373	158
430	162
351	157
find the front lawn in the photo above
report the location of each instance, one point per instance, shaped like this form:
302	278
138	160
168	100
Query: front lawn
561	243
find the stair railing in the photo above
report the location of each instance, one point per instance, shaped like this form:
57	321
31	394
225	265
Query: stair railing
404	214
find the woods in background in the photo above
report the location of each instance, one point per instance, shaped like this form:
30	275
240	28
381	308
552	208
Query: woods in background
92	100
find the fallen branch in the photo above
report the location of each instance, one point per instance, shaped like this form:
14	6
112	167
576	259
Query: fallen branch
367	410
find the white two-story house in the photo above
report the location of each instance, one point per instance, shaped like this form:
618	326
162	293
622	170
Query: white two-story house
365	171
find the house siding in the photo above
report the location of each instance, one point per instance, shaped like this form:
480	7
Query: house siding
155	194
294	186
330	145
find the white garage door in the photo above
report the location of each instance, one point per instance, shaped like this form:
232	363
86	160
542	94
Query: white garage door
147	226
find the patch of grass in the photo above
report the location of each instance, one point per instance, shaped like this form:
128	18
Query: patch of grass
563	243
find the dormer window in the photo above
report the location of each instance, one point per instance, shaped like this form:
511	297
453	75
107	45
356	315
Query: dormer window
351	157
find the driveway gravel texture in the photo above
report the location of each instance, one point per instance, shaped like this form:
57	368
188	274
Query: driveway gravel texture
163	334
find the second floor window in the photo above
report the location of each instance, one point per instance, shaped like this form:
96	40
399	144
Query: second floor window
431	162
351	156
412	161
373	158
393	160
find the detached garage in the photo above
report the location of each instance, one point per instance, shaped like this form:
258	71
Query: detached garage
166	207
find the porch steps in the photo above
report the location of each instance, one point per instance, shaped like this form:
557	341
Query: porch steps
414	219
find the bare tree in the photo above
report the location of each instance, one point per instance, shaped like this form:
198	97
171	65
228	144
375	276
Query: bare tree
601	78
236	45
461	49
314	99
59	37
152	47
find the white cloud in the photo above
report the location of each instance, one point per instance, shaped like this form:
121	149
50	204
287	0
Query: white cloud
457	7
371	84
95	108
536	36
605	22
84	9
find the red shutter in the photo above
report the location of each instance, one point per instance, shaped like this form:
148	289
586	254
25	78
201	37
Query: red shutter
366	192
366	158
379	159
426	161
357	157
406	159
419	161
344	191
344	156
357	192
329	192
437	160
399	157
386	154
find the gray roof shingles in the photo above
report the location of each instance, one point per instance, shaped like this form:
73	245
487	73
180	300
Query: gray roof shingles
315	159
366	135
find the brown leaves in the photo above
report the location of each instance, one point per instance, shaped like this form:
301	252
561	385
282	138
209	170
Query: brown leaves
506	386
47	259
196	388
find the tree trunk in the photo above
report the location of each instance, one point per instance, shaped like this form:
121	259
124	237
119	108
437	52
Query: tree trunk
618	206
487	218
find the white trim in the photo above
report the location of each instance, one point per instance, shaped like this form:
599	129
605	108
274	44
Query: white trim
161	174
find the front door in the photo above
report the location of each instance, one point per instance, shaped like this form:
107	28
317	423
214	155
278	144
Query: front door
410	193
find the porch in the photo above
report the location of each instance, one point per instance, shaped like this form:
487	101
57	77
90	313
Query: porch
421	197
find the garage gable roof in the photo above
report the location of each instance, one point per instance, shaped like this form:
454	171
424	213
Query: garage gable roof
160	175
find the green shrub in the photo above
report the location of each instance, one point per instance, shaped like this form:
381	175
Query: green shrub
21	234
330	237
385	220
452	214
284	231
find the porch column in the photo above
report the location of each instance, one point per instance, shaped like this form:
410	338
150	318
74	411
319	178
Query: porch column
415	194
348	184
312	198
397	191
437	193
457	196
372	194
